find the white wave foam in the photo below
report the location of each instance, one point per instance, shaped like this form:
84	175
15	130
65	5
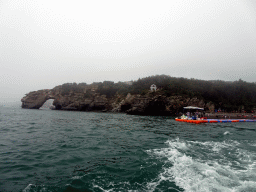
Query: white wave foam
32	187
120	186
216	146
96	186
206	174
253	144
226	133
77	177
27	188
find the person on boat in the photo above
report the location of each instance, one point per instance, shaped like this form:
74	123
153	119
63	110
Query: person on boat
183	117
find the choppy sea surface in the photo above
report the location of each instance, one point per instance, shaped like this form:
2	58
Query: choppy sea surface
45	150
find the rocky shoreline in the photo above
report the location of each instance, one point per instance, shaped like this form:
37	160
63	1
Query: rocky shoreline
152	103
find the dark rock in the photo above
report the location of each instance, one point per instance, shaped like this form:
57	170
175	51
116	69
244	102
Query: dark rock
149	104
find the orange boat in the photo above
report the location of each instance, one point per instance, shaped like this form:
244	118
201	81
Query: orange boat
195	120
192	121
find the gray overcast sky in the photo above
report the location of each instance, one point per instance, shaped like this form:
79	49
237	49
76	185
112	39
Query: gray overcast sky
44	43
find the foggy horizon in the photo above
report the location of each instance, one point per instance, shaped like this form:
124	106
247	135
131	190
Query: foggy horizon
45	44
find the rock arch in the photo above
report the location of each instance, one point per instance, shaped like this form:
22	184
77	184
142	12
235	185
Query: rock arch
36	99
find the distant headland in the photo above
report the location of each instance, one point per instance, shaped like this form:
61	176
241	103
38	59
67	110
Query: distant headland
154	95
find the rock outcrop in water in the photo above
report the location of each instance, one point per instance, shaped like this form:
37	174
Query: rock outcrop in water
71	101
171	94
35	99
152	103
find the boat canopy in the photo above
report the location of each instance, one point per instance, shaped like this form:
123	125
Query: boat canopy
191	107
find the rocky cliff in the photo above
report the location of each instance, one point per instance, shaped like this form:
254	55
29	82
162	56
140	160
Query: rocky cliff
152	103
156	104
71	101
35	99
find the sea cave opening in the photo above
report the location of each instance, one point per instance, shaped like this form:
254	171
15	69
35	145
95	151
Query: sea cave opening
48	104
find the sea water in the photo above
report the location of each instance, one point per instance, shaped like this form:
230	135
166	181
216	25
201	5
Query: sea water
47	150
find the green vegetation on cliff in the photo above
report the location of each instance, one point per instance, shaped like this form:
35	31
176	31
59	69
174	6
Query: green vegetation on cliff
229	96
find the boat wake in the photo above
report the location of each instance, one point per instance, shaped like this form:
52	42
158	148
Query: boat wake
206	166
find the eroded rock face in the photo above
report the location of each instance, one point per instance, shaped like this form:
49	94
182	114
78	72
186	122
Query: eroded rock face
210	106
71	101
149	104
162	105
35	99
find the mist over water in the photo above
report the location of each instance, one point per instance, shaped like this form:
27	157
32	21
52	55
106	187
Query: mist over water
45	150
